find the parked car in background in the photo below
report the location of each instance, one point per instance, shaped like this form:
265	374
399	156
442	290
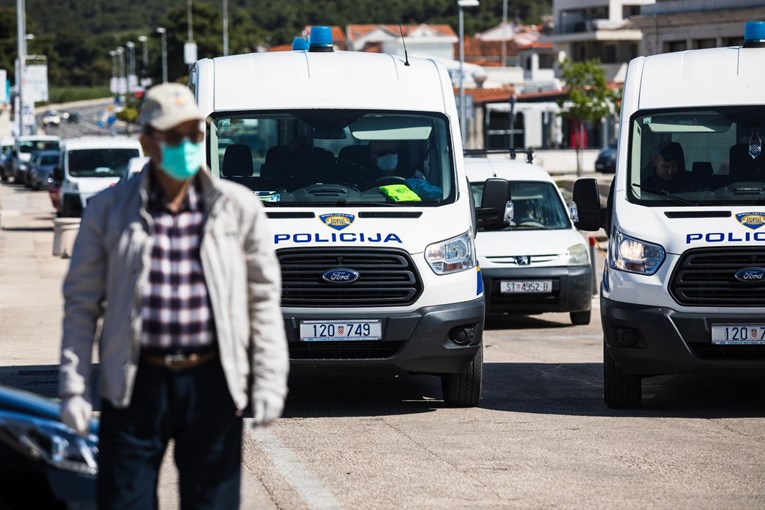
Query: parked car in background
6	158
51	118
24	147
44	463
41	166
606	161
90	165
73	118
539	262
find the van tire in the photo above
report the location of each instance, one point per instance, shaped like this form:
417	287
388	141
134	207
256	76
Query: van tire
621	390
464	388
580	318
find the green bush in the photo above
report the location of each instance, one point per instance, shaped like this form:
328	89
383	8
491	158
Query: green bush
69	94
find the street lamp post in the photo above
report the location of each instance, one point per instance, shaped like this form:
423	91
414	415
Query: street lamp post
142	39
21	26
462	4
225	28
163	34
131	78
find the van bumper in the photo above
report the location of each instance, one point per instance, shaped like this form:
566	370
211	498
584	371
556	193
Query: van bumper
649	340
572	290
419	341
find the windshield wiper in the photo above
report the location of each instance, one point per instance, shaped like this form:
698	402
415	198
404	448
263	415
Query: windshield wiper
663	193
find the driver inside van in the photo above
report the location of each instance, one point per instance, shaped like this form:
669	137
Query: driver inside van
385	157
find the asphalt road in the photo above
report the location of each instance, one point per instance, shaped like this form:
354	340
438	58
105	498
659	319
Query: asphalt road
541	438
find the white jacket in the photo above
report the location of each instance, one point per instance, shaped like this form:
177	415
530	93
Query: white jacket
110	265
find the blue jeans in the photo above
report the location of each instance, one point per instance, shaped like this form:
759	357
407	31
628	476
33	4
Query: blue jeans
194	408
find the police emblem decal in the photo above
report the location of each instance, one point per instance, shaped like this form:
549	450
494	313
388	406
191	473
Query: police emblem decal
337	221
753	220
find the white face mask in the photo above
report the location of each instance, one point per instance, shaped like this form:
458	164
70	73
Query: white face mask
388	163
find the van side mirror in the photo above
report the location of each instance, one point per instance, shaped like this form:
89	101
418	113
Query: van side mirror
496	209
587	200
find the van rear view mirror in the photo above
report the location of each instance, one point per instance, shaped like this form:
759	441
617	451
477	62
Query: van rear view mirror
496	209
587	200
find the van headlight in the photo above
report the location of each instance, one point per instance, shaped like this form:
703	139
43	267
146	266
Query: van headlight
50	442
634	256
451	256
577	255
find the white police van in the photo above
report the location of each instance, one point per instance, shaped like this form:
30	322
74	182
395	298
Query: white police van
684	287
378	265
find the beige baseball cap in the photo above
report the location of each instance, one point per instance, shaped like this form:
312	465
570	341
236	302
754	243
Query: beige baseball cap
168	105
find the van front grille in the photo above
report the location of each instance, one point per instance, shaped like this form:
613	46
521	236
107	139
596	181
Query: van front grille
706	277
387	277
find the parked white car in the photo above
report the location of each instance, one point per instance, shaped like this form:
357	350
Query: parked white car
90	165
538	263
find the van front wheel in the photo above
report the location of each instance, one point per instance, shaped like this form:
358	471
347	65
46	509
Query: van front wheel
621	390
464	388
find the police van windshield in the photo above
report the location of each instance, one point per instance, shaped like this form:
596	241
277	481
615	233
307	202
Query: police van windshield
335	157
709	156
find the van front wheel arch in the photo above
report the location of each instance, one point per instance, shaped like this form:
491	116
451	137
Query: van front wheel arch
464	388
621	390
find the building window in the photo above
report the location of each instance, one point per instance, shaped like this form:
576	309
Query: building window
609	54
700	44
671	46
732	41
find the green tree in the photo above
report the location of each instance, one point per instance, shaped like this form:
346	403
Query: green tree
588	97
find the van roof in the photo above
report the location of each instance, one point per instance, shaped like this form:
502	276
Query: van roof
96	142
347	80
480	169
715	76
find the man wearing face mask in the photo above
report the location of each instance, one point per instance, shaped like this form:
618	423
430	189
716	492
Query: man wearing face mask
180	269
385	157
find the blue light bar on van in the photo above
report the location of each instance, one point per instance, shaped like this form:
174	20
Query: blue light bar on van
754	34
321	38
299	44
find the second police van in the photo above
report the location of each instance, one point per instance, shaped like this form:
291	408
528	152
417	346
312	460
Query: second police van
357	158
684	287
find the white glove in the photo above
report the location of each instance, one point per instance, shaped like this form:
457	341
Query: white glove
266	407
76	413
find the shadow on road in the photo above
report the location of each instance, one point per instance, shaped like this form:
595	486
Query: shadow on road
522	322
577	389
574	389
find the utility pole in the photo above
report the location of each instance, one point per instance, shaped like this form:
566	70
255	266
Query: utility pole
22	51
225	28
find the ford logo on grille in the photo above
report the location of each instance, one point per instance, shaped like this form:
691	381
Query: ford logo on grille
340	275
751	274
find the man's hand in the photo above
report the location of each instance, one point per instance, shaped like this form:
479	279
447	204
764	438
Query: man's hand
76	413
266	407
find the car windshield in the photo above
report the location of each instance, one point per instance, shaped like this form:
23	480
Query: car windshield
47	159
103	162
335	157
536	205
29	146
700	156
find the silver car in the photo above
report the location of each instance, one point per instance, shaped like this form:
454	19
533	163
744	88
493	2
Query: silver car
41	167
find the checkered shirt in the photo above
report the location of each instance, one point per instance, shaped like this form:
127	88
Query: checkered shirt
176	311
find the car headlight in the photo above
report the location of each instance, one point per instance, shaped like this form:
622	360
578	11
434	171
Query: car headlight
50	442
75	187
634	256
577	255
451	256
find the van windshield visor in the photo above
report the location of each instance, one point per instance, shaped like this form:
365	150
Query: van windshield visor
339	157
700	156
102	162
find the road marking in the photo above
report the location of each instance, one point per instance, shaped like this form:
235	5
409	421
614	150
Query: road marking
308	486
